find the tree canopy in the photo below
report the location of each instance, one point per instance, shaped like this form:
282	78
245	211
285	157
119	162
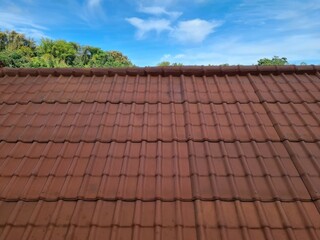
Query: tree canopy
274	61
16	50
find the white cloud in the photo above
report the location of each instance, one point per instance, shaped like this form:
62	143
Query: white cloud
189	31
156	10
145	26
194	31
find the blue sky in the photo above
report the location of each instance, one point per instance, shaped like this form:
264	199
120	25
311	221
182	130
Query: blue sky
191	32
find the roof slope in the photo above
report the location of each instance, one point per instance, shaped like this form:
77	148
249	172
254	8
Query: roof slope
160	153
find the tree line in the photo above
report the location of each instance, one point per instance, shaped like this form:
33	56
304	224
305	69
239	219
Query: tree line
16	50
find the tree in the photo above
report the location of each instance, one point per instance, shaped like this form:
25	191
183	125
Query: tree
14	41
274	61
117	59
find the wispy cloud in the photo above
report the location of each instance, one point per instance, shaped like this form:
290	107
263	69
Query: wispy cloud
93	3
92	12
23	24
145	26
33	33
162	3
288	14
194	31
157	11
167	3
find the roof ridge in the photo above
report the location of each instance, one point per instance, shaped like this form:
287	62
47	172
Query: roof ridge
170	70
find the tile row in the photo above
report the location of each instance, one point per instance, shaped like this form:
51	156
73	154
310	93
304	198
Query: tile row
159	220
136	114
158	149
140	84
304	109
288	170
152	134
154	166
159	114
75	134
159	158
150	188
161	233
211	214
125	89
166	122
153	89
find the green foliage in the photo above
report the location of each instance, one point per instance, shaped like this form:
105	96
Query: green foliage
176	64
163	64
61	50
116	59
13	59
166	63
13	41
274	61
18	51
3	41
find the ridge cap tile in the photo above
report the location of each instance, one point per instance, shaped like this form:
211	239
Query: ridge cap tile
170	70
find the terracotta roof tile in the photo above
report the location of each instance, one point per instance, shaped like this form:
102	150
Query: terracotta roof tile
160	153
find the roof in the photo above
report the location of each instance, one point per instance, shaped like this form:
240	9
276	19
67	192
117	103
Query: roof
160	153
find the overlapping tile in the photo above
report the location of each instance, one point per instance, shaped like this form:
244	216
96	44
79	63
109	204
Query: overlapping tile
296	122
287	88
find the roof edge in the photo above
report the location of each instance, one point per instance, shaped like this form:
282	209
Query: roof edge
171	70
